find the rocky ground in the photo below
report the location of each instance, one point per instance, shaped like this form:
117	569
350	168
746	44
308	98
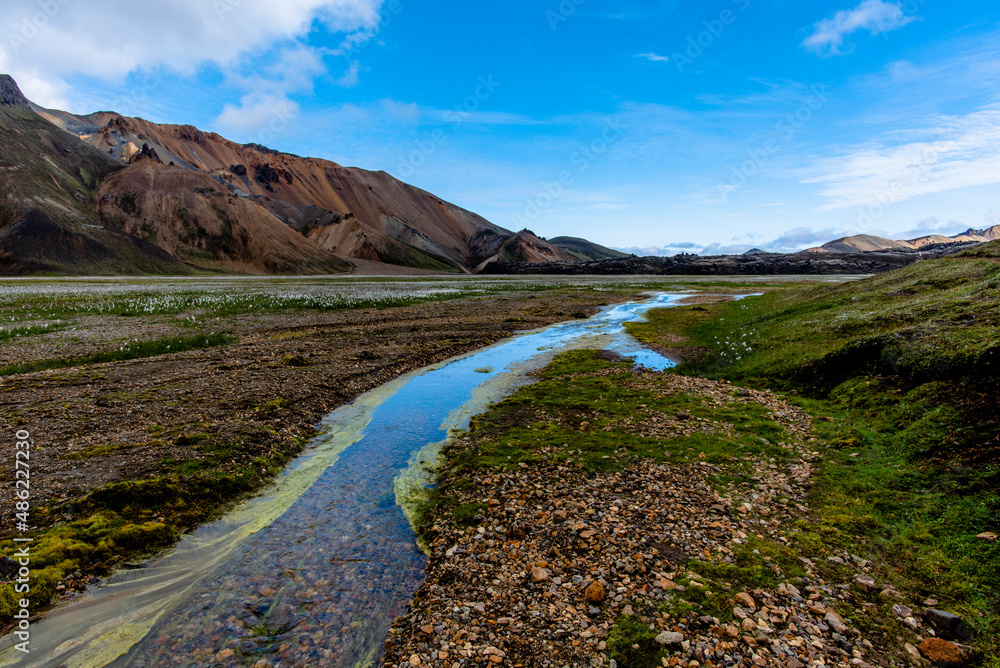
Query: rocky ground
658	563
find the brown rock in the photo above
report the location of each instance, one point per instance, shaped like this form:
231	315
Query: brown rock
560	516
746	600
944	654
539	574
836	622
225	654
427	628
987	536
594	593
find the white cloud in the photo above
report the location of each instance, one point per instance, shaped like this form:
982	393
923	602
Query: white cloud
654	58
955	152
399	111
109	39
258	118
876	16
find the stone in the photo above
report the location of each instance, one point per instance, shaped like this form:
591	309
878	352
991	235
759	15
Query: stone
944	654
836	622
225	654
560	516
539	574
891	592
948	626
902	611
866	582
8	568
746	600
987	536
670	638
913	653
594	593
415	660
428	629
749	625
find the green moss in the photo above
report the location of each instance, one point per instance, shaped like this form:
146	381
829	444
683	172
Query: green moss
468	514
632	644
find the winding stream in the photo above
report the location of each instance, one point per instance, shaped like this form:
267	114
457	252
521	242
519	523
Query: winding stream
315	571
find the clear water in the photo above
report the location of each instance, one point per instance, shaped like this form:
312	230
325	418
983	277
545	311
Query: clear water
314	573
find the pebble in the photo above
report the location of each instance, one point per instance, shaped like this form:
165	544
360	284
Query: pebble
670	638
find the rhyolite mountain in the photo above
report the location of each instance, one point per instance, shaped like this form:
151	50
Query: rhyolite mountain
105	193
868	242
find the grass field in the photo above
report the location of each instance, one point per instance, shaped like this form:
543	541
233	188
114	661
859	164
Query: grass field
906	365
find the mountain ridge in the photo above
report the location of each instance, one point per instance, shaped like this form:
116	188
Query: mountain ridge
866	242
175	199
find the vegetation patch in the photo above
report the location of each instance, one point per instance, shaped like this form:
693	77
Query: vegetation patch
128	351
900	371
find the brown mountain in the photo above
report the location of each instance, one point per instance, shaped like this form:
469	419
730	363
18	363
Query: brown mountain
351	212
47	185
104	193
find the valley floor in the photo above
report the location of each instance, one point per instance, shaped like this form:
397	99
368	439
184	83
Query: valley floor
147	424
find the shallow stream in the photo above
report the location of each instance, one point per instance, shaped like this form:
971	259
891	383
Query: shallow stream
314	571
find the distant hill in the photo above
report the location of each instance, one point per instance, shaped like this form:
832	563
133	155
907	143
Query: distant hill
584	250
867	242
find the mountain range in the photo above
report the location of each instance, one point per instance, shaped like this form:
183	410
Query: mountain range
105	193
867	242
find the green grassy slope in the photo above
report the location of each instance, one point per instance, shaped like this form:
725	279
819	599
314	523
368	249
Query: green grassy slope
905	366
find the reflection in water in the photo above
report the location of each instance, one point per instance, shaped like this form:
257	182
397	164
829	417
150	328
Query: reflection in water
316	573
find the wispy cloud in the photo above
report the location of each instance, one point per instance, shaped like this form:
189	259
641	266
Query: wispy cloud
653	57
876	16
954	152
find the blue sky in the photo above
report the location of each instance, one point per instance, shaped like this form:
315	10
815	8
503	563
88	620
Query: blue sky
698	126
